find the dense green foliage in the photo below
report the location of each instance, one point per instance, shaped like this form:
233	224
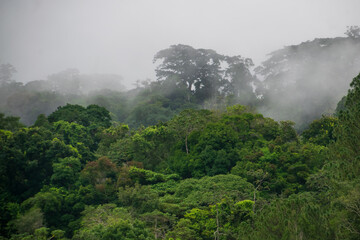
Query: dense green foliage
178	158
201	175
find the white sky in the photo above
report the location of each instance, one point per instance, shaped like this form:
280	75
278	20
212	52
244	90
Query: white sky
41	37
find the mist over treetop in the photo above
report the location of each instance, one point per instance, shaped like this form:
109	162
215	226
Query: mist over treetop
41	38
179	120
298	82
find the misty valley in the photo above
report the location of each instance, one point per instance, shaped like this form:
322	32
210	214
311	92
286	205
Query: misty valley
216	147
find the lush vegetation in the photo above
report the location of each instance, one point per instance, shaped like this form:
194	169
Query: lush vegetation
179	158
203	174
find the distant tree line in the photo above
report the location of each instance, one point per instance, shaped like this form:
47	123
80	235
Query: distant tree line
299	83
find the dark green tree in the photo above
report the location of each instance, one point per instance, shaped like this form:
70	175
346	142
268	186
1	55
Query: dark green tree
347	147
92	115
321	131
10	123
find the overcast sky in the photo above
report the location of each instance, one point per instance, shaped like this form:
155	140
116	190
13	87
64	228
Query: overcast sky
41	37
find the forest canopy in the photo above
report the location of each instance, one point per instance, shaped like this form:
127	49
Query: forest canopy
214	148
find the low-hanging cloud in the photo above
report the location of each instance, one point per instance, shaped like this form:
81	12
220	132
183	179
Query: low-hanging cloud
121	37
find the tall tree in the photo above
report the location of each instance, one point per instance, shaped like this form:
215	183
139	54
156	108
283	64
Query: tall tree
196	69
6	72
239	82
205	73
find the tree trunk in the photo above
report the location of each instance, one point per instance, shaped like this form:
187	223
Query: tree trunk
254	200
217	233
